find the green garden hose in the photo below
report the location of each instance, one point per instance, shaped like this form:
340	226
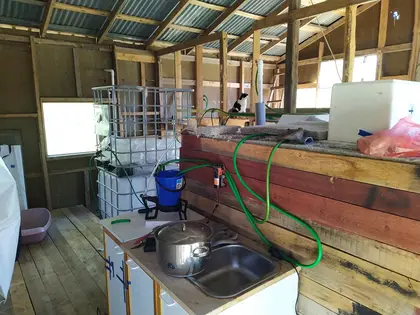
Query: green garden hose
251	218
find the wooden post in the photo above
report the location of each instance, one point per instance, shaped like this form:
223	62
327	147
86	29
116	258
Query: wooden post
318	72
178	82
142	74
223	72
76	63
414	58
349	43
41	128
87	188
241	78
292	57
383	26
256	53
199	81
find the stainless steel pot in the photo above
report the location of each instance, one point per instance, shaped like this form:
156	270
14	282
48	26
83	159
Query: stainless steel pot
182	246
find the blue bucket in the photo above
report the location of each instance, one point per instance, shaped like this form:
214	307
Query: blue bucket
169	186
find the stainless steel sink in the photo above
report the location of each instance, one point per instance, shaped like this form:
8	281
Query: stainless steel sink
230	270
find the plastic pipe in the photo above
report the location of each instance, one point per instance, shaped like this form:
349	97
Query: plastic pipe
260	106
114	98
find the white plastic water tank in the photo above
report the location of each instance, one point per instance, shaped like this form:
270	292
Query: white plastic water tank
371	106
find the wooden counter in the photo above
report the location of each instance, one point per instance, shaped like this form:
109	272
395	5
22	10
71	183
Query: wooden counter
366	212
186	294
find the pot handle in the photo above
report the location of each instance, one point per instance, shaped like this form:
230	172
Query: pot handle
201	252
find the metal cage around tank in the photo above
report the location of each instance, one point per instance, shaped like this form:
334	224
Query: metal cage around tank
137	128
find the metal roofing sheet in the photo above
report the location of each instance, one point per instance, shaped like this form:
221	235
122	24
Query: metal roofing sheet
142	31
261	7
327	18
274	30
72	29
196	16
216	44
236	25
246	47
157	10
304	35
21	11
106	5
277	50
177	36
92	23
225	3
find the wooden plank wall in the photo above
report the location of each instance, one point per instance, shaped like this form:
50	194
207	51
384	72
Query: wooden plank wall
57	79
370	232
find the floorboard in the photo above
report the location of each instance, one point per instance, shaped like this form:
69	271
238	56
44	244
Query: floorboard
62	275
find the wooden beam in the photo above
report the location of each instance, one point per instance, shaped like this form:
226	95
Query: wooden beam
318	72
110	21
383	27
48	11
199	77
189	43
349	43
41	127
77	76
165	23
255	57
330	28
241	78
178	78
142	74
224	16
305	12
414	58
281	9
80	9
292	58
5	116
223	72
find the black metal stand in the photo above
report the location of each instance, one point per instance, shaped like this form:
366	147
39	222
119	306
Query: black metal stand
152	213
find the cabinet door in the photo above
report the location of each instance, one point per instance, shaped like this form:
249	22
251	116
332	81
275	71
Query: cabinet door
140	290
169	306
115	274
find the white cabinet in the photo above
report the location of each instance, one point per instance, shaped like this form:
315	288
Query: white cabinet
115	277
169	305
140	290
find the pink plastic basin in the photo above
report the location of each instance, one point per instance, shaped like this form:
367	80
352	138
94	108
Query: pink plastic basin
35	223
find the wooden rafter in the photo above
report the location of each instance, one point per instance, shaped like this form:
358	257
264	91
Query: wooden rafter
281	9
305	12
110	21
330	28
165	23
47	17
414	58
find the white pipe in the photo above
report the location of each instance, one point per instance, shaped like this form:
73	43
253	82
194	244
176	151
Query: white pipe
260	81
112	75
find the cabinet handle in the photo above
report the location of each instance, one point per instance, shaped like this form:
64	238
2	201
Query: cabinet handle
162	296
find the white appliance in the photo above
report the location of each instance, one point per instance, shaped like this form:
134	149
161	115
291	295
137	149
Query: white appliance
12	157
9	227
371	106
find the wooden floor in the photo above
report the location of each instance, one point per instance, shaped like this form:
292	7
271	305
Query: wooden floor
64	273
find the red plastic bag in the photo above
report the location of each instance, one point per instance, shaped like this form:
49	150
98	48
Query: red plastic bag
402	140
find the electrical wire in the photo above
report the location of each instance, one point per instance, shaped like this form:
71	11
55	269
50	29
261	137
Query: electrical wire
328	45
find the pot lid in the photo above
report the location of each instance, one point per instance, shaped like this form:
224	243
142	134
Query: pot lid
182	233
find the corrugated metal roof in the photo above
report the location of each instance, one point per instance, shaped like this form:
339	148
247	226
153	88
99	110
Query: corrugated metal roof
157	10
277	50
176	36
261	7
133	29
236	25
22	11
106	5
72	29
274	30
246	47
225	3
327	18
304	35
216	44
196	16
91	23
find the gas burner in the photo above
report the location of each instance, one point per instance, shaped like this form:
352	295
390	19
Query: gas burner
152	213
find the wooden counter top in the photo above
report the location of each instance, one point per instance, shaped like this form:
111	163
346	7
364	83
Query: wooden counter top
186	294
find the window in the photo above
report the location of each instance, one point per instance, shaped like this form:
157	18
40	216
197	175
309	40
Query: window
330	74
69	128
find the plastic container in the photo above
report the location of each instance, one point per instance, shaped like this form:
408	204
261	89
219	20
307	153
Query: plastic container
168	186
34	225
371	106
